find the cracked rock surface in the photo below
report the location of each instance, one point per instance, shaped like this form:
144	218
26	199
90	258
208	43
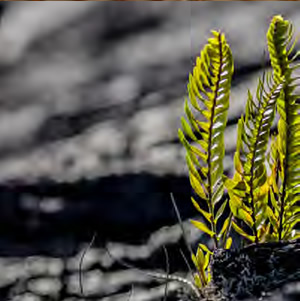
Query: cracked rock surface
257	270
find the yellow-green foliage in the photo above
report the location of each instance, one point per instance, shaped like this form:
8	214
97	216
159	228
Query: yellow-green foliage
264	203
286	189
248	190
208	88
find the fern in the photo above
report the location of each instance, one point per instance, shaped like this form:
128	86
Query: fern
264	205
248	190
208	89
279	36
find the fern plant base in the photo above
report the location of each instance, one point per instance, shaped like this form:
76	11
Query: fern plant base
256	270
263	272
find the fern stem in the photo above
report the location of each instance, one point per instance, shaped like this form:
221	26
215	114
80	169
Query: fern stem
252	203
227	232
252	165
210	192
251	183
281	211
251	186
284	184
284	68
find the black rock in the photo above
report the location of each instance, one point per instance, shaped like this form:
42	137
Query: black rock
257	270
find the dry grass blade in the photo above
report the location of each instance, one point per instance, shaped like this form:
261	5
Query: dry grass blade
81	261
167	271
156	275
181	224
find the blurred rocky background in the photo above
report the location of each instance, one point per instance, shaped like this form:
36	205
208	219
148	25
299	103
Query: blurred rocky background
91	95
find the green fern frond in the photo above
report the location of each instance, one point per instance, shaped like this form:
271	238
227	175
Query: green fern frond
279	36
203	137
208	88
249	189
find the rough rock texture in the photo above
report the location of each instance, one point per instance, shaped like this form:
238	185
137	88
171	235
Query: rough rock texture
91	95
257	269
84	96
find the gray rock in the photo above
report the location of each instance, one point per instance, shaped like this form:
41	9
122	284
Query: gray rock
86	96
